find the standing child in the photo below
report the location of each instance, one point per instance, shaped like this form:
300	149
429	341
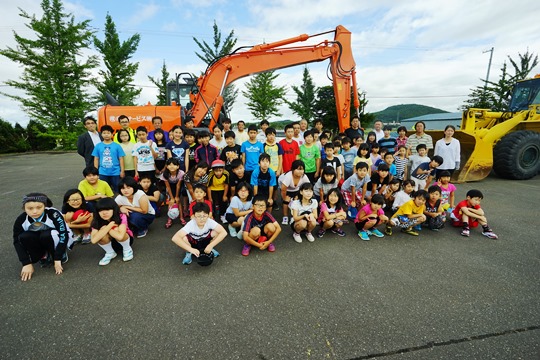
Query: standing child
135	204
205	152
218	140
109	227
400	161
304	214
144	154
190	137
387	142
172	177
291	150
260	228
468	213
423	174
275	151
326	182
402	138
337	153
199	237
370	216
389	160
239	208
311	156
371	139
434	211
354	189
363	156
411	214
77	215
230	152
447	190
263	179
161	143
177	147
127	145
332	215
40	234
348	154
251	149
218	189
374	156
109	158
331	160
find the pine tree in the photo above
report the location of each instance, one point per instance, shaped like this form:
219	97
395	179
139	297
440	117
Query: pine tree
305	97
325	109
55	73
119	73
211	53
161	84
264	98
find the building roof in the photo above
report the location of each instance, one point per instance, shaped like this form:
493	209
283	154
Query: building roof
435	121
439	116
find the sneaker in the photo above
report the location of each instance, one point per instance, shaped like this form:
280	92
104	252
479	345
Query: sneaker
388	230
285	221
338	231
369	232
377	233
232	231
417	227
321	232
490	234
142	233
127	255
86	239
223	220
363	235
309	237
215	252
296	236
271	247
168	224
246	249
187	259
65	258
409	231
107	258
465	232
394	221
291	221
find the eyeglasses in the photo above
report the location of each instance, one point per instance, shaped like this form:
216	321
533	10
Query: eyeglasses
74	200
259	205
201	217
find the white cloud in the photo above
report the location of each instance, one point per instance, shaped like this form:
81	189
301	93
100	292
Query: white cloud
142	14
78	10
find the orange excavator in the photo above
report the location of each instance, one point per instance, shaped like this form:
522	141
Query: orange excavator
204	97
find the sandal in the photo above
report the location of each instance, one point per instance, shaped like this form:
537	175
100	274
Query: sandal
182	221
168	224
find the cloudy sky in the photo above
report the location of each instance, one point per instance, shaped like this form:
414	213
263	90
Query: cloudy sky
423	52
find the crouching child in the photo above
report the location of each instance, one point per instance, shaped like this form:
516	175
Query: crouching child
411	214
260	227
435	215
468	213
200	235
369	217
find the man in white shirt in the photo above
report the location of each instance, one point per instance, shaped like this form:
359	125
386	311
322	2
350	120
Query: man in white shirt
377	128
241	135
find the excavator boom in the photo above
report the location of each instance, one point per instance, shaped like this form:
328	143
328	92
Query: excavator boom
277	55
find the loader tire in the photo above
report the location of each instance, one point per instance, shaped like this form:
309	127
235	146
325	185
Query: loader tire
517	155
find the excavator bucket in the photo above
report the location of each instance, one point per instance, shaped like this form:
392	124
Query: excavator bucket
476	156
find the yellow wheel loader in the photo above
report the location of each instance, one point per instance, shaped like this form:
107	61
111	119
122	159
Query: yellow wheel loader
508	142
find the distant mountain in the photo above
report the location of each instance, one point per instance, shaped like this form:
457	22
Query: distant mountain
399	112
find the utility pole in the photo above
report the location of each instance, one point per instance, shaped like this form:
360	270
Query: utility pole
489	67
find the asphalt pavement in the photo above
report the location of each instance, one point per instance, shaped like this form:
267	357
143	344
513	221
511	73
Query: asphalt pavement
435	296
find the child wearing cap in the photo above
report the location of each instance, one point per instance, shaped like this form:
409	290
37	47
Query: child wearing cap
218	188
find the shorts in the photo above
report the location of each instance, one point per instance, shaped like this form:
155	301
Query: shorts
360	225
347	197
458	222
231	218
404	222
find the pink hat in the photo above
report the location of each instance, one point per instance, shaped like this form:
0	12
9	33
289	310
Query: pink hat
218	163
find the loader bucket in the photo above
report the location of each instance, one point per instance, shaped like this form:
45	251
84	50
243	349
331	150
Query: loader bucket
476	156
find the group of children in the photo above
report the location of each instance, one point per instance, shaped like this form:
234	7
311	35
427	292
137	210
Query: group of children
321	183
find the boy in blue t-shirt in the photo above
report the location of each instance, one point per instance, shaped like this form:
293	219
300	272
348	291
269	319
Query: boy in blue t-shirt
109	158
263	179
251	149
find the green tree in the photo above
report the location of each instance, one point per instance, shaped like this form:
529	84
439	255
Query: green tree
305	97
161	84
325	109
55	72
495	95
218	49
264	97
119	73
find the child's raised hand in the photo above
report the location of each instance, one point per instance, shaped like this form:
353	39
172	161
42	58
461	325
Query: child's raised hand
58	267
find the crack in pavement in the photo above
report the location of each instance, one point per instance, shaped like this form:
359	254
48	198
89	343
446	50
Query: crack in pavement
430	345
